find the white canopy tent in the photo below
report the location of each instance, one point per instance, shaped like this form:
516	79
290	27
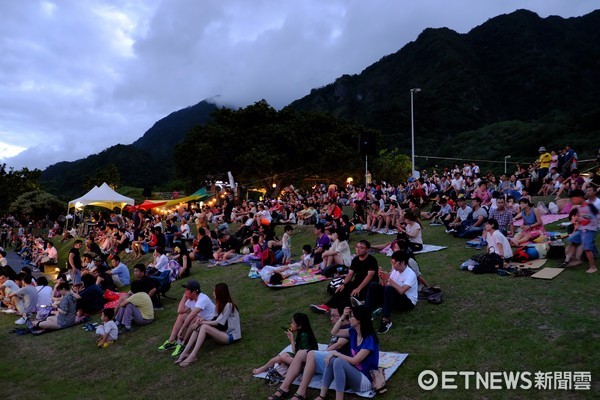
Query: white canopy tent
102	196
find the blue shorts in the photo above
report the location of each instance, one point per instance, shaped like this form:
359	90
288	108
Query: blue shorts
586	238
320	360
287	253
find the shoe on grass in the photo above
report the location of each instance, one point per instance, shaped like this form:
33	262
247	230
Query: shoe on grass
178	350
385	326
167	345
319	308
356	302
20	321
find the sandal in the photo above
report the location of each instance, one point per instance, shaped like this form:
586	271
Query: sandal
298	396
279	394
319	397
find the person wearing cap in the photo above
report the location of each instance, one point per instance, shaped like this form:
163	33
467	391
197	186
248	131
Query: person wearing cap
543	162
585	233
194	307
136	308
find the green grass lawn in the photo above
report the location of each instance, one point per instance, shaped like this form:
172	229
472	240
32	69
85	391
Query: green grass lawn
486	323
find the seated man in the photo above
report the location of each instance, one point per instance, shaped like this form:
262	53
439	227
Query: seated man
90	300
203	250
322	243
136	307
24	299
398	289
228	247
503	216
462	213
193	308
363	271
473	225
119	272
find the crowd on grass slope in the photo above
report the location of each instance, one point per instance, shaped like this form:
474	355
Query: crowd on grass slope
468	203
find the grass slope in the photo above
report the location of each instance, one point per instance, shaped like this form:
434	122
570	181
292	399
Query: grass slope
486	323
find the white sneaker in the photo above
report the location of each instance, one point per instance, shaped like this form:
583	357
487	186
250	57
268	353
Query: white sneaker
356	302
20	321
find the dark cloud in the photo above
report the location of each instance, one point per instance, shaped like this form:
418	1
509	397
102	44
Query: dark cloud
77	77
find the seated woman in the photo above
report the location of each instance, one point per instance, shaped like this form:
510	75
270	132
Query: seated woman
413	231
140	246
181	255
496	241
225	329
532	228
305	340
66	310
313	362
352	371
339	252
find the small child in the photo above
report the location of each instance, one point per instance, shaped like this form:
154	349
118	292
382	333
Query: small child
286	244
305	340
307	260
108	331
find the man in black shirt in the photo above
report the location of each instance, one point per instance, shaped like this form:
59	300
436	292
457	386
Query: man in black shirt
230	246
363	271
203	251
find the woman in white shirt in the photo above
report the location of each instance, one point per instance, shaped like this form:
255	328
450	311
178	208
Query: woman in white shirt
413	231
496	241
339	252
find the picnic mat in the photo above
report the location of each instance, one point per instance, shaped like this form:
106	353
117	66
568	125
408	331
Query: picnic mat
390	361
546	219
237	258
530	264
427	248
547	273
303	278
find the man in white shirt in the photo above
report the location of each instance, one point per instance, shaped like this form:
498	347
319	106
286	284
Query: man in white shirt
194	307
398	289
462	213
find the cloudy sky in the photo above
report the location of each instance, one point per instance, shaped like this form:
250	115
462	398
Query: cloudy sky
78	76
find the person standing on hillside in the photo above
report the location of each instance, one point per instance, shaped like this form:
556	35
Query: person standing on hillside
74	263
585	233
544	163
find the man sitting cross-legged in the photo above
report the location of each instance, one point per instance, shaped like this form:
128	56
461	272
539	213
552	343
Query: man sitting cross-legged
398	289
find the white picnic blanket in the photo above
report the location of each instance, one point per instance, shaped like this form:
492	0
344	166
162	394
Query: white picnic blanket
390	361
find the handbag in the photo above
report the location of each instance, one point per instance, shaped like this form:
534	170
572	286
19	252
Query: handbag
378	381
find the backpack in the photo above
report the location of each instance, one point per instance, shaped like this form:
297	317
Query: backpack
521	255
268	257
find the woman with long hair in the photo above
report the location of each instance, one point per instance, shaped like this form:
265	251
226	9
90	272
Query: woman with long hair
305	340
225	329
352	371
